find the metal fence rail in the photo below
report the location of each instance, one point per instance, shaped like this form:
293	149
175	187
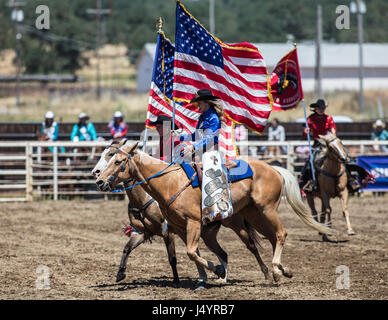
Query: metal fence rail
36	170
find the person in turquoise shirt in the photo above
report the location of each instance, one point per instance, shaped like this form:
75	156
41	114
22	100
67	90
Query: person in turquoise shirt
49	130
83	130
379	134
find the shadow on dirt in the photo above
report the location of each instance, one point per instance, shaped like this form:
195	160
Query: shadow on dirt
166	282
323	241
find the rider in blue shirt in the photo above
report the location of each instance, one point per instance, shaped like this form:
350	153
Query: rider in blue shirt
209	123
83	131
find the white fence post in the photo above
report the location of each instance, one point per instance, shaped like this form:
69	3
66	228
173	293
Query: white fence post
29	182
55	172
290	161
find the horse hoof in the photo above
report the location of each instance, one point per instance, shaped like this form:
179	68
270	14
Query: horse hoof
351	233
287	272
120	276
325	238
220	271
221	280
276	277
267	276
200	285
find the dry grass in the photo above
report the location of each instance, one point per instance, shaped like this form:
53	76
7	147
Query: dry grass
134	106
344	103
68	107
118	73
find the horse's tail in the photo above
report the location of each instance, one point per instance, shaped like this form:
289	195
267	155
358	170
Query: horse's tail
292	192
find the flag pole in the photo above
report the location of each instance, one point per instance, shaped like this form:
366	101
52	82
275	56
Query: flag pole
159	24
308	139
172	128
306	122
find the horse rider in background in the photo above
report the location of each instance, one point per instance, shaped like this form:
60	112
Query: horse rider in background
319	123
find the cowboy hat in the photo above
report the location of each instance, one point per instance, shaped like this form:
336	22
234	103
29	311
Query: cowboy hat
161	119
319	104
204	94
83	115
49	115
379	123
118	114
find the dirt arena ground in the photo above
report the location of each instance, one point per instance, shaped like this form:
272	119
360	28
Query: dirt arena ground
81	244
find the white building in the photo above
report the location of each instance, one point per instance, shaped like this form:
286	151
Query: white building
340	64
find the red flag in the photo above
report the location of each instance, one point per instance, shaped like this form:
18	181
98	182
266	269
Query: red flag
286	83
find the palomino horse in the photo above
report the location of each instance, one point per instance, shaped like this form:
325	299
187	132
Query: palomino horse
149	221
332	178
256	199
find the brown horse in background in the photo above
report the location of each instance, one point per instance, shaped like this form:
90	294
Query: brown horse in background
332	178
145	216
256	199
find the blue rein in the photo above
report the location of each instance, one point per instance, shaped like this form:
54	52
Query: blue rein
149	178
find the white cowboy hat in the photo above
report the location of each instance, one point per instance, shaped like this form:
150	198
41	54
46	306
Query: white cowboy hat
83	115
118	114
49	115
379	123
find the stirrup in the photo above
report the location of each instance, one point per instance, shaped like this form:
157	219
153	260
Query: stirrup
354	185
309	187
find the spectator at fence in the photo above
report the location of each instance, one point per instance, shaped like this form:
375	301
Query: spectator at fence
49	129
83	130
117	126
241	134
276	132
379	134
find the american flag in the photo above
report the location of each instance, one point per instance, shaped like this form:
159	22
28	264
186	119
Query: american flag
236	73
160	98
186	114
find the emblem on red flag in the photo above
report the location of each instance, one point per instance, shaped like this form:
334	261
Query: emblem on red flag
286	85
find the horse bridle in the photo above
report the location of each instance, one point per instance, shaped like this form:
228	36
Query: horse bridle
122	167
328	145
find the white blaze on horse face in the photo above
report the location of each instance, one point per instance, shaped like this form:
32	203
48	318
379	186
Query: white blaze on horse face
101	164
340	149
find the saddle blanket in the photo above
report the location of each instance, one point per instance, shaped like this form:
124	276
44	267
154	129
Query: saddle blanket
241	171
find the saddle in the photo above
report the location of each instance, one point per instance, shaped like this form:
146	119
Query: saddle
236	170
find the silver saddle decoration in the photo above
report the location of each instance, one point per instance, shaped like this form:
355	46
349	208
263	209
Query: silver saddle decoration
216	201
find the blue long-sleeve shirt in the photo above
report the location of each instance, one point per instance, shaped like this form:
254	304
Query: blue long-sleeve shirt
210	124
84	133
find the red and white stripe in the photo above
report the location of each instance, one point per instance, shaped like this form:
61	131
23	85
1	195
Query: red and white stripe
242	84
187	115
